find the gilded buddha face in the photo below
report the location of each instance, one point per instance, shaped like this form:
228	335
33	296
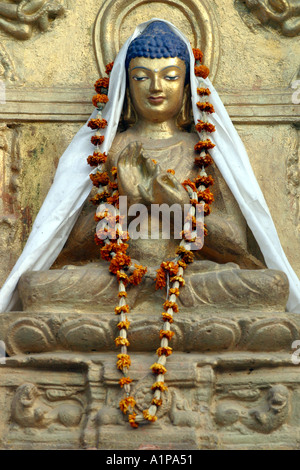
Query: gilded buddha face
157	87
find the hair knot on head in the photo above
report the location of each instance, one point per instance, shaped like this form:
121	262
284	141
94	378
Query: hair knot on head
157	41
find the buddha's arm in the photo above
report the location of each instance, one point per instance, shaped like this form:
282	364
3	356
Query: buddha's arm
227	242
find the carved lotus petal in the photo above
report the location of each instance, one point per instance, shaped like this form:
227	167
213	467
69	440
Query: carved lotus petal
212	335
271	335
84	335
28	335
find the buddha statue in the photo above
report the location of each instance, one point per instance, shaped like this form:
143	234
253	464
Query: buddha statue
154	152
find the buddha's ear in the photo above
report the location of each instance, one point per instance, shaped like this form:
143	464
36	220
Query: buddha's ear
184	118
129	115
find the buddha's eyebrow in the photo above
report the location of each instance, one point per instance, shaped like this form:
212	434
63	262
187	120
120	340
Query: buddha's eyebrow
150	70
140	67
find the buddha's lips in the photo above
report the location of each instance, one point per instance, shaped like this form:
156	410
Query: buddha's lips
156	99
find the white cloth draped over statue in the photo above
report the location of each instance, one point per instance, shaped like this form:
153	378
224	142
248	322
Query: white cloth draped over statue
72	185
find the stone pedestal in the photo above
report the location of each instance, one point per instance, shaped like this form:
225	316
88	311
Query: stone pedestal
231	381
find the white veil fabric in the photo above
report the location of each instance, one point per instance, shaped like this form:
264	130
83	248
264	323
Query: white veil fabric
72	185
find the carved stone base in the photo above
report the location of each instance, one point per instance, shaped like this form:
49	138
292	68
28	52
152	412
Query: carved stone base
213	402
231	384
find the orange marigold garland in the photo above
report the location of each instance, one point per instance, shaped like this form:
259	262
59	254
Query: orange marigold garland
170	273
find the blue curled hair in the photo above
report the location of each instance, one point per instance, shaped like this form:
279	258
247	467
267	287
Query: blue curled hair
157	41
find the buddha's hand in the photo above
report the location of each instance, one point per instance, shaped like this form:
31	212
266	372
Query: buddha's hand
143	181
134	170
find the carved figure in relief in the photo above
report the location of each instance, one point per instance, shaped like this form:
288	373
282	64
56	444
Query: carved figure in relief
19	20
30	409
282	13
265	418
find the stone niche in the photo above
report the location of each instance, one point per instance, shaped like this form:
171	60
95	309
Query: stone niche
233	381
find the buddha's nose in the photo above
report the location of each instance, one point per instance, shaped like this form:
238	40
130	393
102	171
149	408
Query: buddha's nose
156	83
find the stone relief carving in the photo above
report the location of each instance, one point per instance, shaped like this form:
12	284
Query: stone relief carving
33	408
7	68
283	14
19	17
264	418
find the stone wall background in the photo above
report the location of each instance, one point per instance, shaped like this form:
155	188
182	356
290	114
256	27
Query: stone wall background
49	85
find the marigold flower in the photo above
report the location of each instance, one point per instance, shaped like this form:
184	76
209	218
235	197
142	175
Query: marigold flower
124	381
97	123
154	161
206	107
207	210
131	419
201	71
101	83
114	199
112	247
178	279
122	308
168	304
194	202
204	145
167	317
166	334
158	368
171	171
100	197
97	139
114	171
159	386
203	91
182	263
122	277
113	186
109	67
164	351
186	255
100	98
97	240
137	275
124	361
205	161
170	266
157	401
100	178
123	293
205	126
160	279
198	54
121	341
189	183
175	291
126	403
204	180
123	324
206	195
149	417
118	262
97	158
